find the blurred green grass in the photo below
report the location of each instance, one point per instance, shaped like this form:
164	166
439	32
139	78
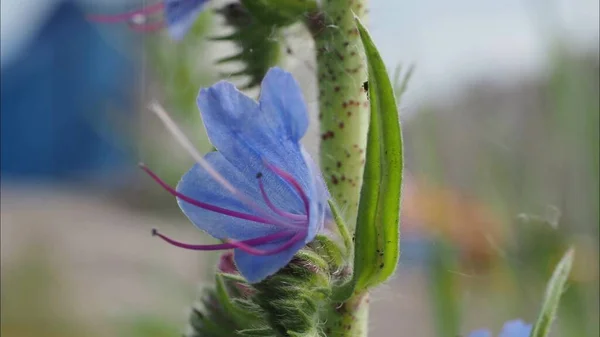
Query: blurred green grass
528	151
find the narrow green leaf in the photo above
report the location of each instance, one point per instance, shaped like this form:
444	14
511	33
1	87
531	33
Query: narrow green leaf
377	231
341	226
554	291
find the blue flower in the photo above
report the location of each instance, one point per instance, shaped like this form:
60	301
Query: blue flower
260	192
516	328
179	16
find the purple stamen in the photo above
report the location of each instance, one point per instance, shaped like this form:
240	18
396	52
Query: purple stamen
228	245
128	15
254	251
287	215
203	205
290	179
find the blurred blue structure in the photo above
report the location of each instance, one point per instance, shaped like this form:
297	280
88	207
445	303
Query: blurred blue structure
55	95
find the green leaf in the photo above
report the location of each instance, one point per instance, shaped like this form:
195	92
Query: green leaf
377	232
554	291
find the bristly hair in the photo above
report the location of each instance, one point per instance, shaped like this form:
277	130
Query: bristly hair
260	46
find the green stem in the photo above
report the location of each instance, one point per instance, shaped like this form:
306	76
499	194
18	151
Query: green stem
344	119
348	319
343	103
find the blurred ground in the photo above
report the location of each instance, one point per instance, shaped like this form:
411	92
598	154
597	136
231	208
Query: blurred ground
101	267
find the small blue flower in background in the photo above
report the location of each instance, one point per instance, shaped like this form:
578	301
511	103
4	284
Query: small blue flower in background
179	16
516	328
262	193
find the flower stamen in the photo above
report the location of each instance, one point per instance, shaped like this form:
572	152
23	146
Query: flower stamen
207	206
294	217
299	236
291	180
187	145
230	244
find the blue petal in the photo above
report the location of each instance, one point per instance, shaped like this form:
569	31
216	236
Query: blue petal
516	328
180	15
480	333
257	268
281	96
198	184
248	134
319	207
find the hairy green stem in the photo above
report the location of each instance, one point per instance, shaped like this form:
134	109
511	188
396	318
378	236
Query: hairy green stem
344	119
348	319
343	103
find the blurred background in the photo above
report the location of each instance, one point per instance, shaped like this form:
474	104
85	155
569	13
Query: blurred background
500	121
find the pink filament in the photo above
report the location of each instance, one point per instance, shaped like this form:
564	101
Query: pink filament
242	245
245	245
287	215
290	179
128	15
201	204
228	245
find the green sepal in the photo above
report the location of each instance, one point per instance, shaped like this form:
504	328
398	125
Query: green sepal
377	233
330	250
291	299
280	12
554	291
258	332
238	314
234	278
312	258
209	320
